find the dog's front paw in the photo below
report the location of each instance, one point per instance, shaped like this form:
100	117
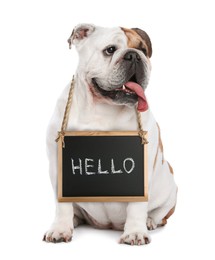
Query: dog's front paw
58	232
136	238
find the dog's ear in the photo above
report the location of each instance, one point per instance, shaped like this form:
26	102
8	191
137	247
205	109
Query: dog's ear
80	32
146	39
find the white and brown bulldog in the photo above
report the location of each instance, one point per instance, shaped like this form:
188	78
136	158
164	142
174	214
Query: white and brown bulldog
112	75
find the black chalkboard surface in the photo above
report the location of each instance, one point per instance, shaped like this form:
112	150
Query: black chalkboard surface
102	166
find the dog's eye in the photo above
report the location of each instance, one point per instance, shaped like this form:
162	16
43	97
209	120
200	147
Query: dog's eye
110	50
144	51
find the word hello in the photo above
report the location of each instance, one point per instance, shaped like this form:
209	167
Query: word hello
90	166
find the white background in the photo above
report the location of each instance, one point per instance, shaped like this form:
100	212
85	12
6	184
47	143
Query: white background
36	64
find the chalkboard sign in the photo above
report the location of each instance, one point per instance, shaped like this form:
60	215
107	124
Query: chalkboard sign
102	166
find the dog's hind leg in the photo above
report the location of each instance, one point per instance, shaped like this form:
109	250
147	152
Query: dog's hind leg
155	219
158	217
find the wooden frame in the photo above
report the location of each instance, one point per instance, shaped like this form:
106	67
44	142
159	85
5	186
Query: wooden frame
105	198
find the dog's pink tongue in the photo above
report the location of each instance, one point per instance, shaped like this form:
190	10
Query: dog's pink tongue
142	102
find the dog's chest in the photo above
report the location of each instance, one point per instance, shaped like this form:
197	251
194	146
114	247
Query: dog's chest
103	119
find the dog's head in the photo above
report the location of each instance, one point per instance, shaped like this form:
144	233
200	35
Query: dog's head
114	62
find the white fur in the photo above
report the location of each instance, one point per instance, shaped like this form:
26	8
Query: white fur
87	114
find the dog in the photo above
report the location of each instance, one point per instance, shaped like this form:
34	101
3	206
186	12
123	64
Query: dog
110	81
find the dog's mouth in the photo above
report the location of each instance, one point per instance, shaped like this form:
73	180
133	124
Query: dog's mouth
129	93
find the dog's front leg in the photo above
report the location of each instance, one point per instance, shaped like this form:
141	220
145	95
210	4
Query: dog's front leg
135	229
62	228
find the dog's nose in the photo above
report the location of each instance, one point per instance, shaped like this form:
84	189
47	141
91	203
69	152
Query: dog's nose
131	56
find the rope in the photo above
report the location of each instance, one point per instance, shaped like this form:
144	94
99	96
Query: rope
61	133
66	114
141	132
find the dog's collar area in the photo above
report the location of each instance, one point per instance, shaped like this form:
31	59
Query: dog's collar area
61	133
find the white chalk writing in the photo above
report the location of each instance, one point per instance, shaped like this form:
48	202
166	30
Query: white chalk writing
100	168
78	167
90	166
87	165
132	165
113	167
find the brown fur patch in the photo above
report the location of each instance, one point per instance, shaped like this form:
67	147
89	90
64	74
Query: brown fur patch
160	141
160	146
136	41
146	39
156	156
164	220
170	168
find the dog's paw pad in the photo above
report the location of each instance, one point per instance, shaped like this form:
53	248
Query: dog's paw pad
151	224
135	239
58	234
